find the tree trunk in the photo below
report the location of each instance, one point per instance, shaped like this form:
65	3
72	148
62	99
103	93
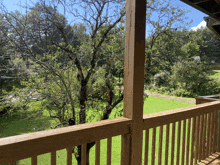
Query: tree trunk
82	100
79	157
148	68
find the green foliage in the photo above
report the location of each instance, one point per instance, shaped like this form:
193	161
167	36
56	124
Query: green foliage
189	79
161	79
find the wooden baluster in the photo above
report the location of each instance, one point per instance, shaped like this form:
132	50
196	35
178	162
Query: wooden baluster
214	132
97	152
153	146
13	163
69	156
211	133
34	160
109	151
183	141
125	149
197	139
53	158
208	133
218	145
167	143
200	138
160	145
178	143
146	147
173	143
188	141
193	140
204	148
84	154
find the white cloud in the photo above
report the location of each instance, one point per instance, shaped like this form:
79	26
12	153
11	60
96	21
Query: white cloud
202	24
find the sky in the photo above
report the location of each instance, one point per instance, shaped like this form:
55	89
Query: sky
194	14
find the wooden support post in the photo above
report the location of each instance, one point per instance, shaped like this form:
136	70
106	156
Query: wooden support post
134	77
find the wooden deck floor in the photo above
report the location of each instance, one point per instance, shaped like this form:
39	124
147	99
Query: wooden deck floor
213	159
215	162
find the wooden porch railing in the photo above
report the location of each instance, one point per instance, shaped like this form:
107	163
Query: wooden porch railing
190	135
19	147
172	137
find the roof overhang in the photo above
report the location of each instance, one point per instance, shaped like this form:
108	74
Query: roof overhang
213	25
211	8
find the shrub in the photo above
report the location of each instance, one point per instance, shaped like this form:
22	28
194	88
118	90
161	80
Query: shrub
189	78
161	79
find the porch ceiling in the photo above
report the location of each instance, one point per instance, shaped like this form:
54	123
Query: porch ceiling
211	8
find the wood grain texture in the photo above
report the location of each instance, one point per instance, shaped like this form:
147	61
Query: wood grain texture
125	149
200	138
211	133
210	159
193	140
173	143
53	158
204	137
160	145
97	152
178	142
208	134
196	139
166	117
167	143
146	147
214	144
188	140
153	146
84	154
34	160
183	142
25	146
134	74
69	156
109	151
218	145
13	163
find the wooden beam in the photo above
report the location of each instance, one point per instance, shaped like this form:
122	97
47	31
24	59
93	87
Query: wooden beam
204	8
134	75
199	1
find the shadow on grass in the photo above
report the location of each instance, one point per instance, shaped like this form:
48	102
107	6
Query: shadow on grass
24	122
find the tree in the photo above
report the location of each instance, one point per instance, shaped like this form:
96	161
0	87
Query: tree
12	68
71	72
208	45
168	17
190	78
174	47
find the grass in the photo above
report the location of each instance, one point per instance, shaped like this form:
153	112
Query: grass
15	126
214	70
167	93
215	73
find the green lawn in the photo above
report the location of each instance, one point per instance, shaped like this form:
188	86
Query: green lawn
14	126
215	73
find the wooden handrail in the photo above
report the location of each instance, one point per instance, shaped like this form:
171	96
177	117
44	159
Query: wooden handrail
171	116
191	149
24	146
